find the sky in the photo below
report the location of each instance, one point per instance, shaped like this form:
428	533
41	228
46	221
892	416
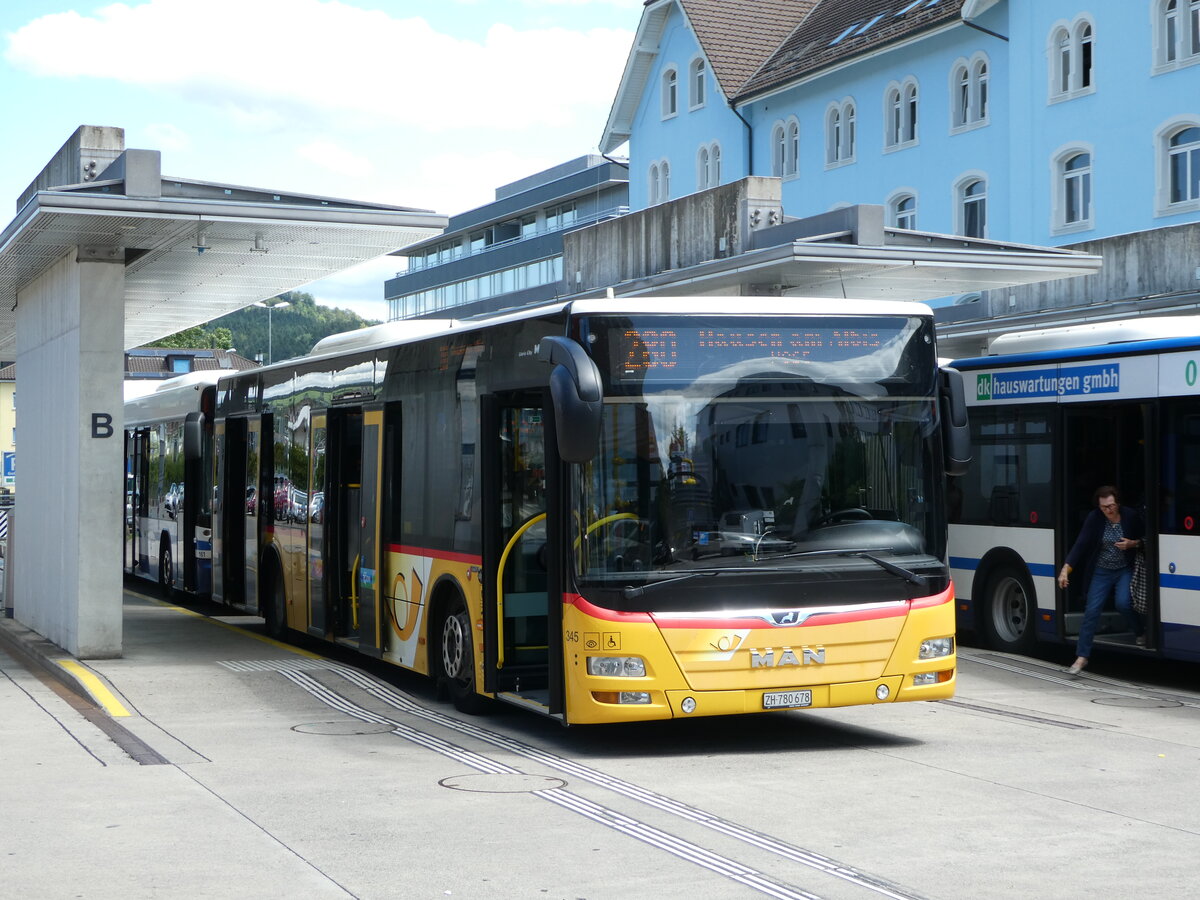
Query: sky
429	104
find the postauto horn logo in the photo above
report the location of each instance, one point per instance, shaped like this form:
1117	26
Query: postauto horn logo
983	386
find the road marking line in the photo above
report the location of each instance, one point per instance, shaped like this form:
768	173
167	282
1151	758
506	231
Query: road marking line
95	687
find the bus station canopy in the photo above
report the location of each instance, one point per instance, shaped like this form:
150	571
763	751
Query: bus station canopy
193	250
895	265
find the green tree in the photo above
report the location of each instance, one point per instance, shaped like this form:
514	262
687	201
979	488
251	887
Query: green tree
294	329
198	338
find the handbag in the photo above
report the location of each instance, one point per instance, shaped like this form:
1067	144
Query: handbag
1137	584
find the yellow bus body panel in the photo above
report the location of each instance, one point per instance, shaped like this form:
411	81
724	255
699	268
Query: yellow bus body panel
725	667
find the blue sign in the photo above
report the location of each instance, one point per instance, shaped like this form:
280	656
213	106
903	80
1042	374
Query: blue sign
10	464
1053	382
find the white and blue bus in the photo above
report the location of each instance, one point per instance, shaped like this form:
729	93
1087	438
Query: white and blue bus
168	486
1054	414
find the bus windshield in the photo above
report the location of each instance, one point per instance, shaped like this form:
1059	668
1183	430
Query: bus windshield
736	445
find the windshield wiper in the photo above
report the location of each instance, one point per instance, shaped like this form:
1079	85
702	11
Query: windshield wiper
907	574
632	592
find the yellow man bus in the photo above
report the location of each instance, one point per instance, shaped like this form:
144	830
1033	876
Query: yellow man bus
608	510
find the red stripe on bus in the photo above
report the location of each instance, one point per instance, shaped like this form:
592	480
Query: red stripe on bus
838	617
599	612
816	618
447	555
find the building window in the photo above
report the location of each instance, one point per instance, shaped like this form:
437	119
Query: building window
840	133
670	93
697	81
1177	33
792	158
659	184
900	110
902	211
785	148
1073	190
971	203
969	93
1071	60
1183	165
562	216
708	166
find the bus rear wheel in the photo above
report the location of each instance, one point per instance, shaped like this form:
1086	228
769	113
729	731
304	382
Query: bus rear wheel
1009	611
166	570
458	659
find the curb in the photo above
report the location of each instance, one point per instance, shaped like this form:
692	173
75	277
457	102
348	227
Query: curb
47	660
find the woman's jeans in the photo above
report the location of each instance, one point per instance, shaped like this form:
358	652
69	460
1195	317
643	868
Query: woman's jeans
1104	582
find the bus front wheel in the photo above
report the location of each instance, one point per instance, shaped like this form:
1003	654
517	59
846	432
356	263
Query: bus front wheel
1009	612
458	659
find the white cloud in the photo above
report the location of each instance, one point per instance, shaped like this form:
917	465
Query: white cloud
333	59
332	156
359	288
166	136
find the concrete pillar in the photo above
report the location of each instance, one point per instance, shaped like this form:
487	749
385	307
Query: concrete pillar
70	358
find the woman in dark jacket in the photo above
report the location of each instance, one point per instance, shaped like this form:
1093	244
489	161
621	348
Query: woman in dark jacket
1105	551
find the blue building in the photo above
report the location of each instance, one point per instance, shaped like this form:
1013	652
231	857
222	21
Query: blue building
508	253
1049	122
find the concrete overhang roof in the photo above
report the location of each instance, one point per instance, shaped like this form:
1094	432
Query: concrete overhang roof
918	266
169	284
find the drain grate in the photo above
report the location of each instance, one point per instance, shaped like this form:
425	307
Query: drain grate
337	728
502	783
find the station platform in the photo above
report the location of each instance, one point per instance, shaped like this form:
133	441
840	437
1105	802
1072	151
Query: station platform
209	761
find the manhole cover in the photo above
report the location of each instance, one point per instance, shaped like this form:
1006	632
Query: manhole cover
342	728
502	783
1137	702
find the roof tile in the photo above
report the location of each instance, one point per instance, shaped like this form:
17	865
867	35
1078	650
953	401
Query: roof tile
838	30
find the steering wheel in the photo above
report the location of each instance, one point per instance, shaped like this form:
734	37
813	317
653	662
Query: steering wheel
853	513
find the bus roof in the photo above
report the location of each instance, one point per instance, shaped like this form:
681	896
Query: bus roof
173	398
376	337
1125	336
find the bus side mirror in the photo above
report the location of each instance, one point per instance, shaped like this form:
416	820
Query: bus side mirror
577	397
193	436
956	435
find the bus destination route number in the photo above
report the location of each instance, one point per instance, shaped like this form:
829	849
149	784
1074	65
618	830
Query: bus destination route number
663	348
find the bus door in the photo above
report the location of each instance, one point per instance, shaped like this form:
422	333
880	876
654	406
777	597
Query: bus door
137	478
316	525
230	439
260	497
1107	443
523	522
351	526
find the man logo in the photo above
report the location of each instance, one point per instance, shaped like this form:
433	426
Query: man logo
791	617
765	659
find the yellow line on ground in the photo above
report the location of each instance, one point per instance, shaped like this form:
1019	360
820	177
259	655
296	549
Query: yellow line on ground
242	631
95	687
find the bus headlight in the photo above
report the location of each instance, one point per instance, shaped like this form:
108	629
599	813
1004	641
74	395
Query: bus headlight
933	648
617	666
